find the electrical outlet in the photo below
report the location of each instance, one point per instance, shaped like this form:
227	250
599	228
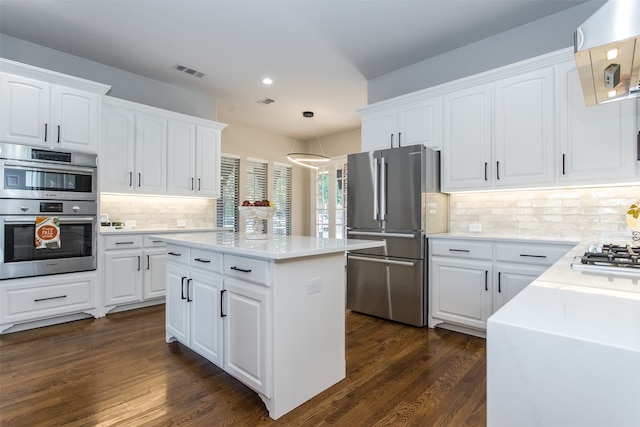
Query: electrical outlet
313	286
475	228
182	223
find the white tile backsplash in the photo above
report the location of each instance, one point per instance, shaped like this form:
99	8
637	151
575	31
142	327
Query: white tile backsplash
156	212
588	213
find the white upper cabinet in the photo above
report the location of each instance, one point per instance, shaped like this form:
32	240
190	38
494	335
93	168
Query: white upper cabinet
34	112
410	123
467	154
596	144
524	129
207	162
151	153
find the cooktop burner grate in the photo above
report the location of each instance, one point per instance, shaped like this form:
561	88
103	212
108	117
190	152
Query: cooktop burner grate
612	255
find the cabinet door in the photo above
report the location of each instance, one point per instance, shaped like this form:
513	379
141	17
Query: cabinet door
420	122
155	271
122	276
25	110
206	320
151	154
524	129
245	333
176	307
379	130
75	119
461	291
207	161
180	172
466	155
598	143
511	279
116	161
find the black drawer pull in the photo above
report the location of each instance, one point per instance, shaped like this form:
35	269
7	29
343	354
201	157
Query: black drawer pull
241	269
206	261
222	313
459	250
124	243
157	241
174	254
46	299
533	256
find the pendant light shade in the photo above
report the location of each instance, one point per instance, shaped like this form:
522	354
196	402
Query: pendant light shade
309	159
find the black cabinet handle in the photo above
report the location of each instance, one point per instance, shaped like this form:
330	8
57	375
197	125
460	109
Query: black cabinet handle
124	243
563	159
222	313
206	261
399	139
49	298
58	134
148	262
459	250
498	169
139	179
638	147
45	132
192	183
138	262
486	280
499	282
486	165
391	140
174	254
189	290
533	256
241	269
182	288
198	184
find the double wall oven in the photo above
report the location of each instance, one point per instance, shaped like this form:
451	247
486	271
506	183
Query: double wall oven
47	186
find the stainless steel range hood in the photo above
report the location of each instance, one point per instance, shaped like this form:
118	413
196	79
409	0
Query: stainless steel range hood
615	27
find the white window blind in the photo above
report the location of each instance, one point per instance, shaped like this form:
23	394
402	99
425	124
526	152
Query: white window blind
256	184
226	212
282	198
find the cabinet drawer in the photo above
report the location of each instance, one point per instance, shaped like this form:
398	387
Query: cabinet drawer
206	260
249	269
461	249
178	254
152	242
126	241
530	253
32	301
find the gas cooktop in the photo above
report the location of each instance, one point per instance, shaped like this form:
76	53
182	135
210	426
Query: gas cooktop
610	258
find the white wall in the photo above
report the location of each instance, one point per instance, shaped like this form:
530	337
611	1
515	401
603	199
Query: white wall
124	85
527	41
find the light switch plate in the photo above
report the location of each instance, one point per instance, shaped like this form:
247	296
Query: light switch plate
475	228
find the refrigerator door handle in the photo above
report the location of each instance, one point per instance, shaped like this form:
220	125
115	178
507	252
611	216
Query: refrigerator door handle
383	189
382	261
376	178
374	233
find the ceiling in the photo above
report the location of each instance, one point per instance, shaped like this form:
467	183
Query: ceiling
319	53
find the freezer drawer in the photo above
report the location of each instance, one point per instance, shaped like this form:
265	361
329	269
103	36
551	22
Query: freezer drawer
398	245
386	287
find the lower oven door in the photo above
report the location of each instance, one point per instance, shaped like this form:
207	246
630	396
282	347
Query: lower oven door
386	287
20	258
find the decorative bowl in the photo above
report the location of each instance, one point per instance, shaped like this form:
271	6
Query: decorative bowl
257	214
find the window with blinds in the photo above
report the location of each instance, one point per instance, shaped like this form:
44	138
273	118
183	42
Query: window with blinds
256	184
226	212
282	198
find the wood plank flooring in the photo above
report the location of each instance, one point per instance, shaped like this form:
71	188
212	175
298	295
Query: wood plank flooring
119	371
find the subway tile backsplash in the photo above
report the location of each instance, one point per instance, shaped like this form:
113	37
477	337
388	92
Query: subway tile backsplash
586	213
156	212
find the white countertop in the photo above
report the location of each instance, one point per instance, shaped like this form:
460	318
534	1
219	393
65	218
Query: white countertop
507	237
113	230
273	248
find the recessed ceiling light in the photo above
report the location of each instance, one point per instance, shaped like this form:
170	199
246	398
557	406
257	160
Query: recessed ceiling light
267	81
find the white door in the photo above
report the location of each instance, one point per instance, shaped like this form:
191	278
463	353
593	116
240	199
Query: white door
75	119
180	171
25	110
176	307
151	154
155	271
117	149
245	334
122	276
207	162
206	321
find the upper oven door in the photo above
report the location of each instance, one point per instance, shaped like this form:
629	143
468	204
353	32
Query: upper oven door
40	180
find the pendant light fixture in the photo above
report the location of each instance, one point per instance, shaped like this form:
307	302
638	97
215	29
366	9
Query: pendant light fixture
309	159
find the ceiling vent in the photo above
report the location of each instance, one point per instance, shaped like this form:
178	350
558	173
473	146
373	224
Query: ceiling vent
188	70
265	101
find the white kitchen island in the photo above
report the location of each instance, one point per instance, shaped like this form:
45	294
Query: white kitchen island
269	312
566	351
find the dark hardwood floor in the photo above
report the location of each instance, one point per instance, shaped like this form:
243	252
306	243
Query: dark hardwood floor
118	370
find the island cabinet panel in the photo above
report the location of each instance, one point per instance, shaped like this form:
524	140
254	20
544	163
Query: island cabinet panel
275	321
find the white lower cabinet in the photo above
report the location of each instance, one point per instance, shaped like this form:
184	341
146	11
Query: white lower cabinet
45	297
134	269
470	279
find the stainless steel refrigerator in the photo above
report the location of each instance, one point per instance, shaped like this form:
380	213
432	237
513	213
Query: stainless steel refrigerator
393	195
